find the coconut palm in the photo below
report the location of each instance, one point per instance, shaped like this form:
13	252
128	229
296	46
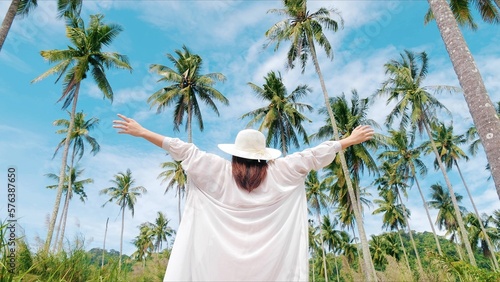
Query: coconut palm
282	117
16	8
394	214
314	245
400	152
378	250
351	113
488	10
125	195
73	185
24	7
161	231
176	177
495	220
144	243
188	87
78	139
333	238
317	203
480	105
417	108
446	217
305	29
480	233
447	145
73	64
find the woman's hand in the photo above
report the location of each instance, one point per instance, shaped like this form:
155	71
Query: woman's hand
360	134
128	126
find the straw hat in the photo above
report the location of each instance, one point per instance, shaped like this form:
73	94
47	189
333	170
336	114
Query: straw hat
250	144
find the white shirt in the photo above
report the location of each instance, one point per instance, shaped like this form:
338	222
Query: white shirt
230	234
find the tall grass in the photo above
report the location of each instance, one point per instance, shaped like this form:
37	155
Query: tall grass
6	269
72	264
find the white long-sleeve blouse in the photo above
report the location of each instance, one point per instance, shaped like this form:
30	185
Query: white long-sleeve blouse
230	234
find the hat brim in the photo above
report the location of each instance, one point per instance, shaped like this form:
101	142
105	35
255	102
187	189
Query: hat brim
267	154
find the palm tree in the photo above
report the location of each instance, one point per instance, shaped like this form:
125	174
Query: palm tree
188	86
73	185
416	107
378	250
317	202
79	137
394	248
480	105
394	215
446	217
333	238
282	117
314	245
304	29
448	147
74	63
400	152
480	233
23	7
161	231
124	195
144	243
16	8
176	177
463	14
495	219
350	114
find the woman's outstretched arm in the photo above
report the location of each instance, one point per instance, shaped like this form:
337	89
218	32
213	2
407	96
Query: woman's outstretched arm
129	126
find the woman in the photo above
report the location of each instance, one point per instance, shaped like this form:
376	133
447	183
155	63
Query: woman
244	220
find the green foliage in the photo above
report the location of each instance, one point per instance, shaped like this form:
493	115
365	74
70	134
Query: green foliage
463	271
75	264
5	270
448	267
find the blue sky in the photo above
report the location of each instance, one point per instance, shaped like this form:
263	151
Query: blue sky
229	36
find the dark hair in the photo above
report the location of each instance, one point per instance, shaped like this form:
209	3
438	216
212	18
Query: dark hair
248	173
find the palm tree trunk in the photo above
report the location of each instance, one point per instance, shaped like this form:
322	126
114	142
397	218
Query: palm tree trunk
62	172
370	274
189	122
64	216
179	205
283	140
8	20
404	250
313	269
58	230
420	268
458	215
121	240
190	140
360	260
480	106
104	243
483	229
337	269
69	192
322	247
426	210
457	246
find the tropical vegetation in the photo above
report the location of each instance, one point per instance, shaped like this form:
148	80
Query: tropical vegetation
418	134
